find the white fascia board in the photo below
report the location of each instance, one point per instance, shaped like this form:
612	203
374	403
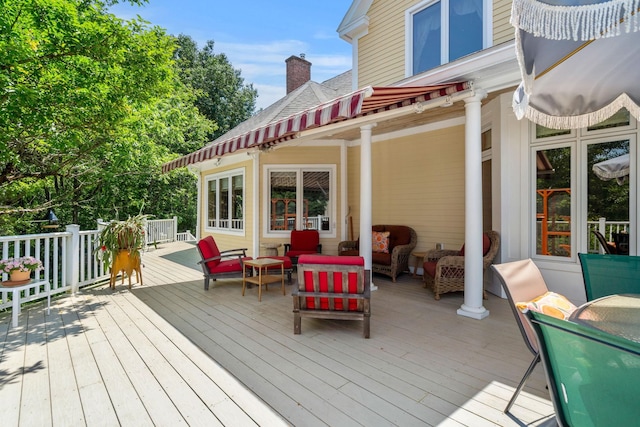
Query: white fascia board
226	160
491	69
353	19
355	29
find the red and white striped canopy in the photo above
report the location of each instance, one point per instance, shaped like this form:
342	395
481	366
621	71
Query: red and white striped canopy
362	102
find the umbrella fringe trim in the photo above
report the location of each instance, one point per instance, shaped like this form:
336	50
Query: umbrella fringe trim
587	22
583	120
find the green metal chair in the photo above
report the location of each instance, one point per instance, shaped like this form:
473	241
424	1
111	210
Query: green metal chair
609	274
593	376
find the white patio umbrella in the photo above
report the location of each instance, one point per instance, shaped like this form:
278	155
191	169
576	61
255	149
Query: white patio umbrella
579	60
616	168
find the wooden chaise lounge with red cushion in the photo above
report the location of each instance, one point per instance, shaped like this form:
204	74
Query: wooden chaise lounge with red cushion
332	287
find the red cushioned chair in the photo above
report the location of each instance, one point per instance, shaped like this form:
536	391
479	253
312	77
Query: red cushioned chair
214	264
302	242
332	287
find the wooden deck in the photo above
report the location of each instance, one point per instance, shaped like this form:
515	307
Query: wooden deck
171	353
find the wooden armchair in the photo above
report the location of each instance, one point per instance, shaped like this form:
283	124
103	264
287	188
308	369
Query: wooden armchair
332	287
215	265
444	269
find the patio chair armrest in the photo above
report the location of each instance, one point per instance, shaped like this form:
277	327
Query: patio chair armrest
213	258
233	253
436	254
347	245
287	247
402	250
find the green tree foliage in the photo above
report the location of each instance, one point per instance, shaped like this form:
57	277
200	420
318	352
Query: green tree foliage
91	106
222	95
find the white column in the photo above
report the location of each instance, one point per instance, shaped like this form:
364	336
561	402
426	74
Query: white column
199	206
365	197
473	277
174	237
73	257
255	223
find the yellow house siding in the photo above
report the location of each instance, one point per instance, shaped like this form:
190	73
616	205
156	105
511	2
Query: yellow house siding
231	241
304	155
381	53
419	182
353	189
502	30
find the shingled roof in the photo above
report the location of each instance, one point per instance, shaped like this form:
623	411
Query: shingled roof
306	96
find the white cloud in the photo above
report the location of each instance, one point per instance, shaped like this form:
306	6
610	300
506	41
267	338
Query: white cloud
268	94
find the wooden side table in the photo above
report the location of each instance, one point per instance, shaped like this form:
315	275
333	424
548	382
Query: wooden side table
419	256
261	265
17	291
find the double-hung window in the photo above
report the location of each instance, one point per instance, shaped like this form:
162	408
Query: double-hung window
301	197
225	201
441	31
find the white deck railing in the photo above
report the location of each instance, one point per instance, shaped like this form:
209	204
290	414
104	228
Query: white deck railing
68	257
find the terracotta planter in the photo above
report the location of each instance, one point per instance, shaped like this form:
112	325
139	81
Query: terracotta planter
17	278
20	276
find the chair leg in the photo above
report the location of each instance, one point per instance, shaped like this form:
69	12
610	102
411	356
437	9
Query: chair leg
297	323
533	364
206	283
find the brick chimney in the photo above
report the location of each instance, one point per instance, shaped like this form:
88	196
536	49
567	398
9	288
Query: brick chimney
298	72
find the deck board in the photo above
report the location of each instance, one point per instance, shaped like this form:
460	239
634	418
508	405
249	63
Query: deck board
170	352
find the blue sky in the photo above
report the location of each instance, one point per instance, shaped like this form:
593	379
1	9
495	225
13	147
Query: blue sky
258	35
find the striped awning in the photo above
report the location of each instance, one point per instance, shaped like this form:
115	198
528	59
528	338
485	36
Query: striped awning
369	100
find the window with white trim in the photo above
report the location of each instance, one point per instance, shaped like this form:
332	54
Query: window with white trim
441	31
225	201
301	198
596	162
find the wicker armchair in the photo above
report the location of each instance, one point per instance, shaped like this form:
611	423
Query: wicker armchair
444	269
402	241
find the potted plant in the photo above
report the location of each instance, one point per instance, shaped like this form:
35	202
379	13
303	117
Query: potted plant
19	269
118	236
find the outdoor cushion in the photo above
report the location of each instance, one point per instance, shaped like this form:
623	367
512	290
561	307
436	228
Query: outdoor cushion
398	235
380	241
209	249
381	258
549	303
486	245
287	262
429	268
229	266
330	259
305	241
